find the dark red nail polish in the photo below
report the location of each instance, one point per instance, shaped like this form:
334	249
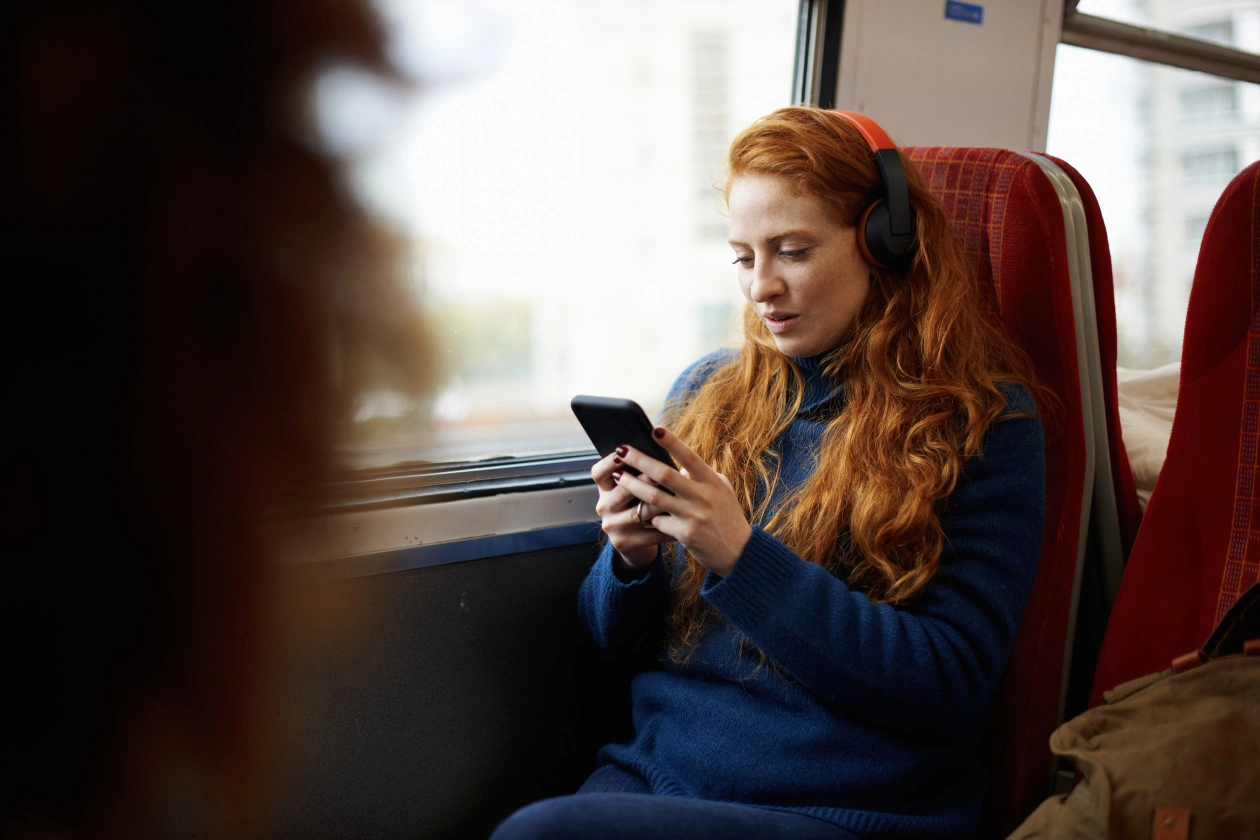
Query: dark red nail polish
621	450
658	433
616	460
617	475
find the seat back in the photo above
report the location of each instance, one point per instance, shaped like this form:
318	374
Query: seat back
1115	512
1010	220
1199	544
1128	508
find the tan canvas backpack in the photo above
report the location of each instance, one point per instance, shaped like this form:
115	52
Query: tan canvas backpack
1169	756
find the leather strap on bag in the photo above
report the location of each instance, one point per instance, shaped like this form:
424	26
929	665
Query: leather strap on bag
1170	823
1238	632
1240	625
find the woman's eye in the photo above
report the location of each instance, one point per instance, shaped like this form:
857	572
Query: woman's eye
742	261
792	254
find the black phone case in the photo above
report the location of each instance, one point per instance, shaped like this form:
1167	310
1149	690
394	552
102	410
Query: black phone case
614	421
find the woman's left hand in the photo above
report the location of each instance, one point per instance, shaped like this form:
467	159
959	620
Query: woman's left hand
703	513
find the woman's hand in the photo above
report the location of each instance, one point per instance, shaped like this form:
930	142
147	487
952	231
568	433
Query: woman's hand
702	513
618	509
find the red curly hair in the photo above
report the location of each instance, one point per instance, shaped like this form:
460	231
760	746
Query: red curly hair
921	367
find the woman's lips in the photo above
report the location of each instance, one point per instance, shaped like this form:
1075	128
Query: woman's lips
780	323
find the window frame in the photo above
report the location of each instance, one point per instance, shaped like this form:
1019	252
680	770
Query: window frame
1159	47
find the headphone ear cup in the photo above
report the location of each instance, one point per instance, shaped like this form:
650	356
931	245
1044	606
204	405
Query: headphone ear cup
873	227
878	244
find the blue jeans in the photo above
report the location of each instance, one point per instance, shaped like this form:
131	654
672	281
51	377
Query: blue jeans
616	805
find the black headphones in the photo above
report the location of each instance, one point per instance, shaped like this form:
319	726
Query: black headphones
887	239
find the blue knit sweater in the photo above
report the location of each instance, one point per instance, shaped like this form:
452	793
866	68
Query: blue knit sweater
871	717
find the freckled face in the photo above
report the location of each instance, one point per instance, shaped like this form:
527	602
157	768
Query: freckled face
799	267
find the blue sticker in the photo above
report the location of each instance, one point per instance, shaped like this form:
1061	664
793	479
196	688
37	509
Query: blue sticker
966	12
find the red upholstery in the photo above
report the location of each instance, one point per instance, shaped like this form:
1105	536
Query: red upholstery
1009	218
1199	544
1128	506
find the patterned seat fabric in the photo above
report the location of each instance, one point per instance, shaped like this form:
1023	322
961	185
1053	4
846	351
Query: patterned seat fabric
1010	221
1199	544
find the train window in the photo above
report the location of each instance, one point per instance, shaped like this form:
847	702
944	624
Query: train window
1174	138
554	177
1215	165
1221	31
1211	100
1207	21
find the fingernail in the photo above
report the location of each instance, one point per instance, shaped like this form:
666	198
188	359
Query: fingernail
621	450
658	433
616	475
616	460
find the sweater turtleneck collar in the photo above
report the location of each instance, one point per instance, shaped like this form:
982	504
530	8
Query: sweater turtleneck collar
818	390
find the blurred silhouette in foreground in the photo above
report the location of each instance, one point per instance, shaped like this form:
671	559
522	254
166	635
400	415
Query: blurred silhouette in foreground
192	303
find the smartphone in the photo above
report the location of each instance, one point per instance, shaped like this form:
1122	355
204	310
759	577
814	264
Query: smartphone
613	421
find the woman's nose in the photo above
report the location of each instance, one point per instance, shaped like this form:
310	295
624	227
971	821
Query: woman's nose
766	283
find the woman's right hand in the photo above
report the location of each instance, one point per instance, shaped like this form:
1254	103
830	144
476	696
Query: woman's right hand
636	545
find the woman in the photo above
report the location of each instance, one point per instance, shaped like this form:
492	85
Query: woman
856	521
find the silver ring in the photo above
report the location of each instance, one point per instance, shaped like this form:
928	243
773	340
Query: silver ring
638	514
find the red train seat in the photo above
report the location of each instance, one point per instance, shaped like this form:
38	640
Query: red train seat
1011	222
1199	544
